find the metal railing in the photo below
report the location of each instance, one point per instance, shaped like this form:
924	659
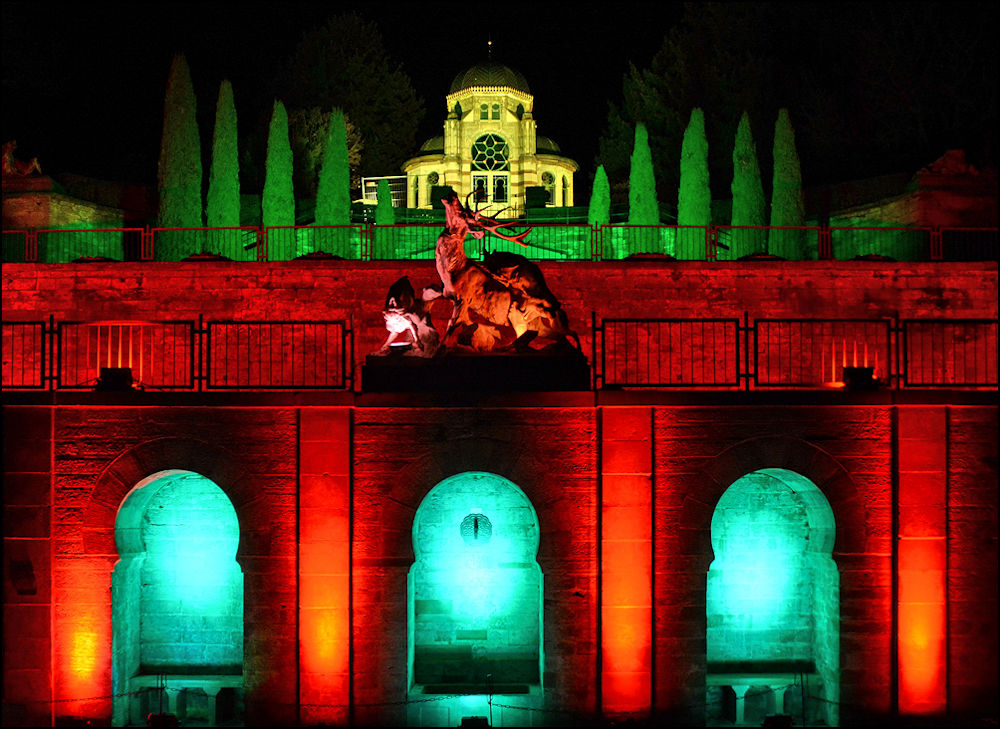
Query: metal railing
178	355
693	353
794	353
547	241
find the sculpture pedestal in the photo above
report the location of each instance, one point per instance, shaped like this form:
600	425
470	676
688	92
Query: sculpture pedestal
530	372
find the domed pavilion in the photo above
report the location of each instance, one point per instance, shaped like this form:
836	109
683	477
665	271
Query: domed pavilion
490	144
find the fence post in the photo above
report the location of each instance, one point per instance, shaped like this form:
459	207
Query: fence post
825	244
937	245
31	246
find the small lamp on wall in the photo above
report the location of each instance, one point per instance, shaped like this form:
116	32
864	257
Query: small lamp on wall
860	378
114	379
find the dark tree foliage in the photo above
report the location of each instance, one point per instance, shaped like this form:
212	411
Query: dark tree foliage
333	196
307	130
643	208
179	170
344	65
223	204
599	212
874	87
278	201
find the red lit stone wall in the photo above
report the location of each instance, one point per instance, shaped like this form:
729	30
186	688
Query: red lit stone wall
972	558
377	463
332	290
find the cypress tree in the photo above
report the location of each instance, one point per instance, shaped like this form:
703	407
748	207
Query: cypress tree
223	204
278	200
786	193
384	213
599	211
643	208
333	195
694	198
748	194
179	170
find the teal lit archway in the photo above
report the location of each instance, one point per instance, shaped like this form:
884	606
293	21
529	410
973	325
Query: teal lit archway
475	590
177	600
773	602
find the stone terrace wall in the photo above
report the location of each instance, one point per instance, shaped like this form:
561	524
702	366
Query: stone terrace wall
348	289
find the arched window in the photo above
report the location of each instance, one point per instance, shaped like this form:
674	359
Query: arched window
490	153
484	112
177	599
475	589
496	111
773	602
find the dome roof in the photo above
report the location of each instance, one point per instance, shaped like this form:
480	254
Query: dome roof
544	144
489	74
434	144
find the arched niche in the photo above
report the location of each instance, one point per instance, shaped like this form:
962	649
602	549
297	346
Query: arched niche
475	590
773	602
177	600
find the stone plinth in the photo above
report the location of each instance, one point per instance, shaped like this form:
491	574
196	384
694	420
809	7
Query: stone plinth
532	372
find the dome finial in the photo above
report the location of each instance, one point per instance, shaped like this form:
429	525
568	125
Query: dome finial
489	49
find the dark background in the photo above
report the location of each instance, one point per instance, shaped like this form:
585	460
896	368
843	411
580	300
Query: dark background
83	84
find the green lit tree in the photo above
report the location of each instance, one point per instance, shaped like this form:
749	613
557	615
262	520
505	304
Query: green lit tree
307	131
786	193
278	200
223	203
749	207
179	170
333	196
599	212
384	212
694	199
643	209
384	216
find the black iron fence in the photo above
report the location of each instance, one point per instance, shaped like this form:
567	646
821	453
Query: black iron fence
694	354
177	355
547	241
794	353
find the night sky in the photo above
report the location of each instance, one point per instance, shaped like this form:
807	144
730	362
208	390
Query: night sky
83	83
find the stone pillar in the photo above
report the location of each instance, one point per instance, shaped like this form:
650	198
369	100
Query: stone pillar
921	562
626	560
324	564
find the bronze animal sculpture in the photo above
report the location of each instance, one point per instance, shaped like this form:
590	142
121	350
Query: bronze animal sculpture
501	303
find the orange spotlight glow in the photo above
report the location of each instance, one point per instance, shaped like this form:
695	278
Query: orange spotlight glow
922	684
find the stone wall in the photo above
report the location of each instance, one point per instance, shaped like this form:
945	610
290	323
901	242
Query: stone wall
89	458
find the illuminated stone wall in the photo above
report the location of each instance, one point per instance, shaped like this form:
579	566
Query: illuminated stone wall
476	588
70	465
302	290
192	589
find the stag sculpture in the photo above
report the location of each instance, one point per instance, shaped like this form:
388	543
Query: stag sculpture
501	303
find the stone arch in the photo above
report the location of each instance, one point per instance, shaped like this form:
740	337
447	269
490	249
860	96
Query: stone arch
782	452
474	591
154	456
130	469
